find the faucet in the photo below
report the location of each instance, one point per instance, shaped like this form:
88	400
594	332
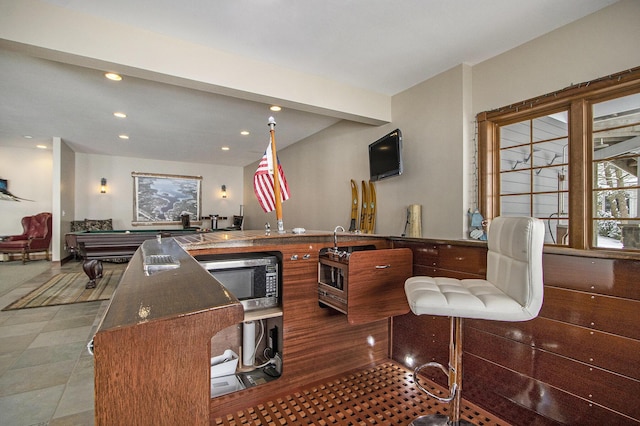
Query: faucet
335	237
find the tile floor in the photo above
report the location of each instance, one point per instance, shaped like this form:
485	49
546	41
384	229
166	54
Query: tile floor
46	372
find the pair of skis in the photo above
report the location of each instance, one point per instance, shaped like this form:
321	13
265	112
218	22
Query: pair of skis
367	209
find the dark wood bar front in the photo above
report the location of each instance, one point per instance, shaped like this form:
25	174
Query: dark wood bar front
578	362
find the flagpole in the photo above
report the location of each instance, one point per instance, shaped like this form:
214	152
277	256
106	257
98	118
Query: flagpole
276	175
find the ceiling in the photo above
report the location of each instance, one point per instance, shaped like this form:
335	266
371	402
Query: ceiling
375	45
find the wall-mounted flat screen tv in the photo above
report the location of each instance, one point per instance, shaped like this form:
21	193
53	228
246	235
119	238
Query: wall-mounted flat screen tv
385	156
4	184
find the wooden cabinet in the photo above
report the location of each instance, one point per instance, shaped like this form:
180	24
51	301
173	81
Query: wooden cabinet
365	285
447	260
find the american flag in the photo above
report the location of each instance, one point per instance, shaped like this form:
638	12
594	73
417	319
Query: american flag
263	182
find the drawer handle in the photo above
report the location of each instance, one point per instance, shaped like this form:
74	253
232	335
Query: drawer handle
306	256
383	266
294	257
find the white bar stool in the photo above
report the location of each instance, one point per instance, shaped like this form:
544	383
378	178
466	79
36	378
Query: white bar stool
513	291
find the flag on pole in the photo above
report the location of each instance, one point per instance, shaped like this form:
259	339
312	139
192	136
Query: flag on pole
263	182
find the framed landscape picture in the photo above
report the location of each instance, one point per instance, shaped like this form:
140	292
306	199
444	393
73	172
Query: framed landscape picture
161	199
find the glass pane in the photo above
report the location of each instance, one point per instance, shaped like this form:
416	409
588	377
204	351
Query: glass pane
616	151
515	205
550	179
515	134
619	204
549	205
608	234
616	173
630	230
551	209
550	127
515	182
557	230
551	153
515	158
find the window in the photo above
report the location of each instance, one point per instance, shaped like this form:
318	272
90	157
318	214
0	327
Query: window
616	150
569	158
533	171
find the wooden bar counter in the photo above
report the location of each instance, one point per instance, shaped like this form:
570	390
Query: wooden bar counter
577	363
153	347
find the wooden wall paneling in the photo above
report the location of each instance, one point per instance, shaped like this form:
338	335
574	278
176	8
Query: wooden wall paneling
603	350
421	339
613	277
582	380
521	400
128	359
600	312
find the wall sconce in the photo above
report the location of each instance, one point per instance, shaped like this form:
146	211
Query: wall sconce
224	191
103	185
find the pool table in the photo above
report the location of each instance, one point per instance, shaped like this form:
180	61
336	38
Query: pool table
115	245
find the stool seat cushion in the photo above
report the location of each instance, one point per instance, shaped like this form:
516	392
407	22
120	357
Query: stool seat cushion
470	298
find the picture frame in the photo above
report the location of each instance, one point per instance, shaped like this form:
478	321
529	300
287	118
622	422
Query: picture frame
162	199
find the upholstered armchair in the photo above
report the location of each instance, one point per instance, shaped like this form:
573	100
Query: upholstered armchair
35	238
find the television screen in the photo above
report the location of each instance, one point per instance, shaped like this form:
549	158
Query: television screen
4	184
385	156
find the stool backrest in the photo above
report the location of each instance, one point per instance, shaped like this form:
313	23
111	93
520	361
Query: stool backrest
514	260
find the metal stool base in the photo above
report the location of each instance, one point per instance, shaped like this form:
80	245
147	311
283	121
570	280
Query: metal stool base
438	420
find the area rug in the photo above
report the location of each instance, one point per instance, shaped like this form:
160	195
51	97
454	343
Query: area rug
66	288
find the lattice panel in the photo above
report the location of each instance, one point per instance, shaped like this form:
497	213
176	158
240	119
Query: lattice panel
381	395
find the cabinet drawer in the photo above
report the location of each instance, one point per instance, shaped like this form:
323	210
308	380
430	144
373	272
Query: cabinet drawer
463	259
427	256
369	287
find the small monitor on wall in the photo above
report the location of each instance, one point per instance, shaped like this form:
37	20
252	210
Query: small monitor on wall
4	184
385	156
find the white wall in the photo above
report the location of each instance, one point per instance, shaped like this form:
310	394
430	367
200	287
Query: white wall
319	169
64	183
598	45
29	173
117	203
437	120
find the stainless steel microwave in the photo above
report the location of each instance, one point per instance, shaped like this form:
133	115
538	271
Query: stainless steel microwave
251	277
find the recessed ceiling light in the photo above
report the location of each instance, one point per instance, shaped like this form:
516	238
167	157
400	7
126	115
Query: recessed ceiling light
28	137
244	133
275	108
225	148
113	76
41	146
123	136
120	114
